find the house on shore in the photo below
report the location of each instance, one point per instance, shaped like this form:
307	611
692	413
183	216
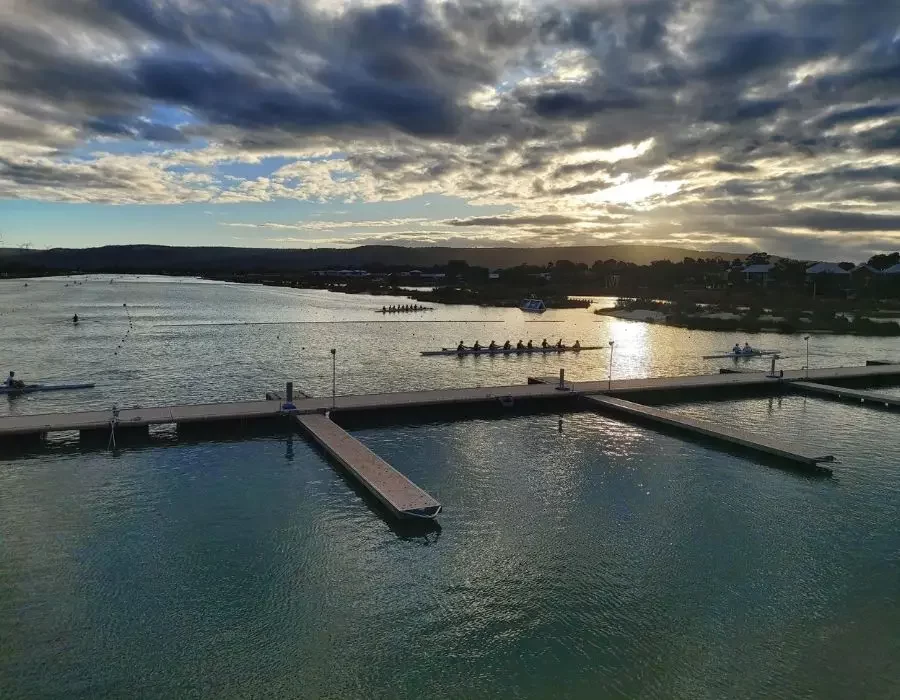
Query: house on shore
827	277
760	274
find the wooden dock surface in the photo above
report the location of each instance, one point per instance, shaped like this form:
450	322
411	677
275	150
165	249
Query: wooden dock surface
837	392
400	495
722	433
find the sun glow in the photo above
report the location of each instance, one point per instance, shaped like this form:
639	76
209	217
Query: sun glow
633	192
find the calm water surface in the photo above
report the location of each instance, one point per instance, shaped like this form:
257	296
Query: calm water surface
601	561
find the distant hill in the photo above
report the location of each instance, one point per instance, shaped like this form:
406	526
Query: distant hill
165	259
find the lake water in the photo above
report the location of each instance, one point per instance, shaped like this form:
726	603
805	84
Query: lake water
604	560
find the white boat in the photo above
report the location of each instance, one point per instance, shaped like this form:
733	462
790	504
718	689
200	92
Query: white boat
34	388
511	351
534	306
737	355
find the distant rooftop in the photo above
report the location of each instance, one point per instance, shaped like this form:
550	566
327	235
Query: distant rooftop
826	268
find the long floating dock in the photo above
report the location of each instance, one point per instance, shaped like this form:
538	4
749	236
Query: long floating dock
41	424
721	433
400	495
688	387
836	392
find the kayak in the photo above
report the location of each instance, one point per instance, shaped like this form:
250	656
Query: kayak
34	388
511	351
735	355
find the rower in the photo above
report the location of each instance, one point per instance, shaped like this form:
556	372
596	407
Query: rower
461	347
477	346
507	345
492	346
577	345
559	344
747	349
384	309
10	380
75	318
736	349
545	344
520	345
530	345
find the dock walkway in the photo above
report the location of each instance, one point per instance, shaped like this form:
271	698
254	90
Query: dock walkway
697	384
400	495
40	424
837	392
722	433
537	389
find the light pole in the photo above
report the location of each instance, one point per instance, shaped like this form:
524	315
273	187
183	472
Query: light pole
806	338
333	378
612	345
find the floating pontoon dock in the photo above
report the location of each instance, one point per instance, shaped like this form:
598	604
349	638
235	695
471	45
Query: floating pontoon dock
837	392
733	436
401	496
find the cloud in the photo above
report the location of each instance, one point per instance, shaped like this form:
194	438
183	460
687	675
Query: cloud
707	106
539	220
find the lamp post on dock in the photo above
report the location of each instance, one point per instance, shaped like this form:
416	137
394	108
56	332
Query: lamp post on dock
806	338
333	377
612	345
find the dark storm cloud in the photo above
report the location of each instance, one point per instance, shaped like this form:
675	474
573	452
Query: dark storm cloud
570	104
726	167
45	175
858	114
824	220
408	65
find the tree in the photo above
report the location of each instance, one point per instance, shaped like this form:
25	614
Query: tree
883	262
758	259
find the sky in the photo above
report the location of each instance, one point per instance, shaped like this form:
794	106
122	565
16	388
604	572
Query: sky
732	125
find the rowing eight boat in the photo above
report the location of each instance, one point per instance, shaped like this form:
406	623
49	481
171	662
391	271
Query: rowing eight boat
34	388
511	351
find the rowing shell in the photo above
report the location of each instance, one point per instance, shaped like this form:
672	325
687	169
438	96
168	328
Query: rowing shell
34	388
511	351
755	353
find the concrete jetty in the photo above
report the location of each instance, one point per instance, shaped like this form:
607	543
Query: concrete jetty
836	392
398	494
721	433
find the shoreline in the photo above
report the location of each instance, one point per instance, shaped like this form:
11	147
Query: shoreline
731	322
